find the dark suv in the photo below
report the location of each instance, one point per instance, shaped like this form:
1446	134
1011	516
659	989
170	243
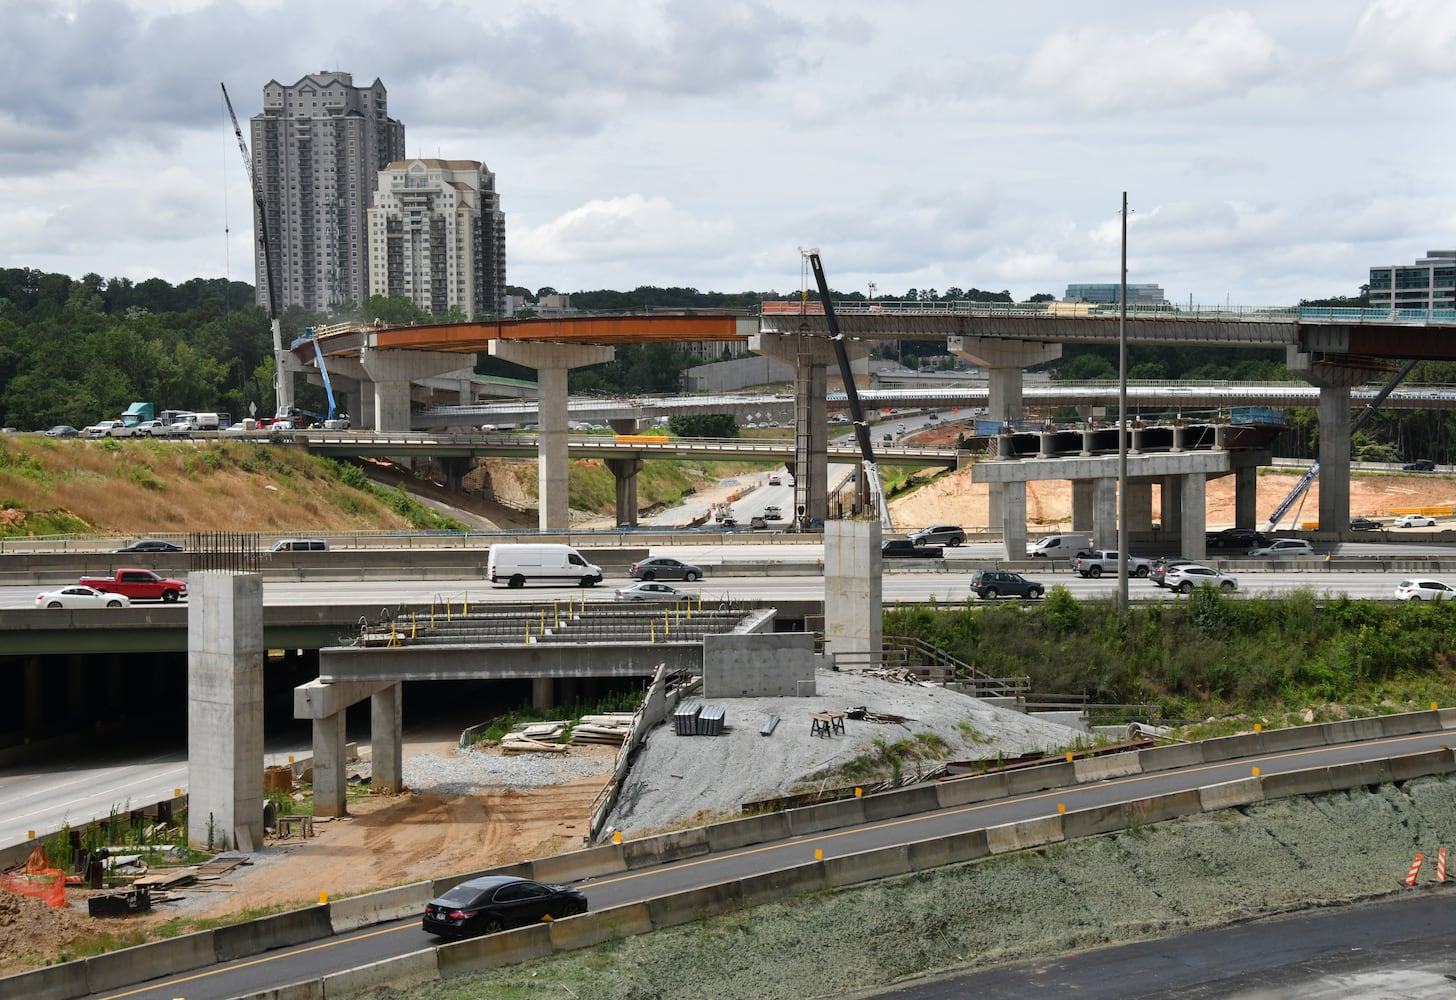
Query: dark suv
990	584
1241	539
1419	465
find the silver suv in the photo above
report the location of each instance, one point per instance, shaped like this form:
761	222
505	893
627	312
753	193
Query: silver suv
939	534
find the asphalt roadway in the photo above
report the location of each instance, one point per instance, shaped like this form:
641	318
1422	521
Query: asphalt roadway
306	962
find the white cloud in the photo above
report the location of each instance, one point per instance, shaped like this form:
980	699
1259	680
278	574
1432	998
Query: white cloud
1395	38
1107	71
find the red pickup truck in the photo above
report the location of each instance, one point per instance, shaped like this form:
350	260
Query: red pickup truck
138	584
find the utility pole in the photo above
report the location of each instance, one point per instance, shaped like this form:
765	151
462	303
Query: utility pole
1122	430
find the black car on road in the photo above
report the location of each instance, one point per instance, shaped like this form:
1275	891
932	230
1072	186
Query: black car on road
150	545
1240	539
1365	524
494	902
990	584
1419	465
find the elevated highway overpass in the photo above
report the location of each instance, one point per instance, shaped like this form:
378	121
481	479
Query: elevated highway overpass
1333	349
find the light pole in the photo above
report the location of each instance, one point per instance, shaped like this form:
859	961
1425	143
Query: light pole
1122	430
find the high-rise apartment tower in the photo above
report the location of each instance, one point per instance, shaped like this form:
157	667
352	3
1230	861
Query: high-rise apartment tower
438	237
317	148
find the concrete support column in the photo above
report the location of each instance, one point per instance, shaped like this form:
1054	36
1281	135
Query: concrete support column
1140	506
1172	502
386	740
1334	457
455	470
625	470
1013	519
552	362
853	591
1195	515
33	718
1246	497
391	372
1082	505
1046	444
1088	436
330	772
225	709
543	693
1104	512
364	418
625	425
811	357
1135	440
1180	434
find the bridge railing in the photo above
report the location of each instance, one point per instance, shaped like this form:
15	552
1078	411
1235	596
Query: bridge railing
1101	310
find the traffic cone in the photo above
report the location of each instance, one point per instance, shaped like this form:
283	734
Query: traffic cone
1441	864
1415	870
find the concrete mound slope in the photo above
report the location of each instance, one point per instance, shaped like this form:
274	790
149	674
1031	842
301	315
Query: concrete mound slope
675	777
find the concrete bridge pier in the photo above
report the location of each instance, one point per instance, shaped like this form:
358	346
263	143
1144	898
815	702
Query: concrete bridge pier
1004	361
552	362
1104	512
1246	497
1082	505
1172	503
625	470
392	372
1194	493
1334	457
327	706
1140	505
811	357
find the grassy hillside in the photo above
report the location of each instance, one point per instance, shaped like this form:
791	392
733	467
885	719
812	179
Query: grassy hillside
50	486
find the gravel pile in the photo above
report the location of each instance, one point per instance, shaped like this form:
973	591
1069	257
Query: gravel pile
677	777
465	771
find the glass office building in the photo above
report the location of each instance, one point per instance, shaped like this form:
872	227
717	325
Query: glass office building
1107	294
1429	283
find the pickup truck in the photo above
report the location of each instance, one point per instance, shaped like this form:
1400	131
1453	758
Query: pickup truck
904	548
138	584
106	429
1100	561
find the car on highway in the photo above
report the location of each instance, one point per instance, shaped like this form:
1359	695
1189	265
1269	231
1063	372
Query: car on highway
1185	578
150	545
773	512
1424	590
651	590
1413	521
76	598
1235	538
62	431
758	523
1159	572
939	534
495	902
665	568
775	479
1419	465
989	584
1365	524
1281	548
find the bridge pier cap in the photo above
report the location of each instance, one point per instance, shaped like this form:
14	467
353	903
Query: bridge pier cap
995	352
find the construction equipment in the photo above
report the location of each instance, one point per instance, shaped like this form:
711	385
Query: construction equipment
1307	480
282	375
861	427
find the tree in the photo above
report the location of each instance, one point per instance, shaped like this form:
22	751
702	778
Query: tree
705	425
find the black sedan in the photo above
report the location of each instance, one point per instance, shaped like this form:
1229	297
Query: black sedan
494	902
1365	524
1236	538
150	545
62	431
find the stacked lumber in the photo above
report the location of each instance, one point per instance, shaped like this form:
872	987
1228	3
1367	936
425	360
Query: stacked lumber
612	728
517	743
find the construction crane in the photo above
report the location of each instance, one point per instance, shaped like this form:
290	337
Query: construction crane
1307	480
856	412
282	375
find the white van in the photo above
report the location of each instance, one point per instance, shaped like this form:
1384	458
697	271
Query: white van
517	564
1060	547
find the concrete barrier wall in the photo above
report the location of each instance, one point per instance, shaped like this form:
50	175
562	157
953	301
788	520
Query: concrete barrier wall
1113	765
1315	781
940	851
886	862
1170	805
1419	765
115	969
901	802
593	928
695	904
1020	836
1039	779
312	989
749	830
827	816
1095	821
1293	738
667	847
781	884
353	912
277	931
1231	794
1170	757
1363	773
55	982
1410	723
402	973
491	951
576	865
965	791
1353	730
1230	747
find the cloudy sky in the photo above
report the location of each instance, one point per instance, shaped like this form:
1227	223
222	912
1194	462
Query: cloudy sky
1270	151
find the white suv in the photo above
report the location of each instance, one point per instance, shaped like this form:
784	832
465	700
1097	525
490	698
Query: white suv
939	534
1285	547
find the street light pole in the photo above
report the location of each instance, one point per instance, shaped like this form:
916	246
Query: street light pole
1122	430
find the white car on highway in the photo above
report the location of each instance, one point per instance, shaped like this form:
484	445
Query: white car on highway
1424	590
73	598
1414	521
1282	548
649	590
1185	578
